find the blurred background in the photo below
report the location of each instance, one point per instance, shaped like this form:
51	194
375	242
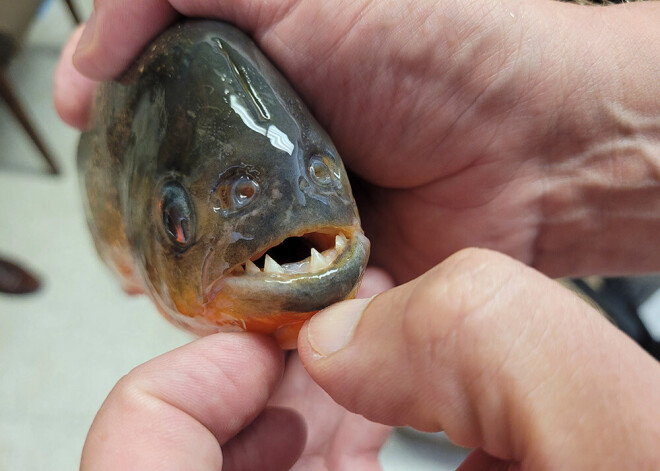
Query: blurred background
64	346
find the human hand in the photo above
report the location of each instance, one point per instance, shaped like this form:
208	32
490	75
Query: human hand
503	359
199	407
336	438
228	402
471	122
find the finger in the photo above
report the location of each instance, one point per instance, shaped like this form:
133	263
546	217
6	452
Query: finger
174	412
72	91
492	352
479	460
375	280
118	30
273	442
335	437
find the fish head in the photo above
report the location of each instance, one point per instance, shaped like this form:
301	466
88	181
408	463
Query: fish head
242	216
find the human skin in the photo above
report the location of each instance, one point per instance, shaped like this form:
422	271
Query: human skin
530	128
503	359
483	347
231	402
526	127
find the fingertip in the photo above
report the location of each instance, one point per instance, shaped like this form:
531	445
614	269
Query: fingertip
244	349
217	379
304	348
72	92
332	328
182	406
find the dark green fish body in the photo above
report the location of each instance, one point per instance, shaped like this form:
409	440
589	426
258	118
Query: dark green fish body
209	186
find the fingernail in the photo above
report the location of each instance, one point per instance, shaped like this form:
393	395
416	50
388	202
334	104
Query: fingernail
331	329
87	36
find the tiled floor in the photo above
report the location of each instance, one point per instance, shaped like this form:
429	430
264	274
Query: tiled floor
62	349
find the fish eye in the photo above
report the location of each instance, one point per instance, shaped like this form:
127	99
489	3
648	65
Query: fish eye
236	190
323	170
177	214
243	190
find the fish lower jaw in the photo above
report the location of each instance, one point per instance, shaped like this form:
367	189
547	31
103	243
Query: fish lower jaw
317	262
266	294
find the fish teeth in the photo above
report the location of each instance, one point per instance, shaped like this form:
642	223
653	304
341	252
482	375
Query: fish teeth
250	267
330	255
271	266
340	241
318	262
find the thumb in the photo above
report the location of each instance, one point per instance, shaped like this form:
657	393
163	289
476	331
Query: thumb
497	355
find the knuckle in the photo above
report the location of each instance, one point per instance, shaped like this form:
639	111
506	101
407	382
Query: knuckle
452	322
467	283
128	393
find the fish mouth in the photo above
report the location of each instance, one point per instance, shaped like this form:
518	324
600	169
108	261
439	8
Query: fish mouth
301	273
309	253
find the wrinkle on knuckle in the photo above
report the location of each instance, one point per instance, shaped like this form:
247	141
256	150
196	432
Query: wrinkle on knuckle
457	306
132	394
465	283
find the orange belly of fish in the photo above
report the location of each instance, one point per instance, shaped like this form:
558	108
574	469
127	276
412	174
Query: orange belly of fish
284	328
200	319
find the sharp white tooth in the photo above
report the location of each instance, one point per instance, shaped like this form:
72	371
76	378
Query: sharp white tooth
318	262
271	266
296	268
330	255
250	267
340	241
304	266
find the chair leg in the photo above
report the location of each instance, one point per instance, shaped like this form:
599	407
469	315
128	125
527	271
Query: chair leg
8	95
74	11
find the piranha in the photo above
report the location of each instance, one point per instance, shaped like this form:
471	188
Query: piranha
209	186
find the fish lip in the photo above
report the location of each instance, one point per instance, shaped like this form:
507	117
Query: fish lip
352	258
